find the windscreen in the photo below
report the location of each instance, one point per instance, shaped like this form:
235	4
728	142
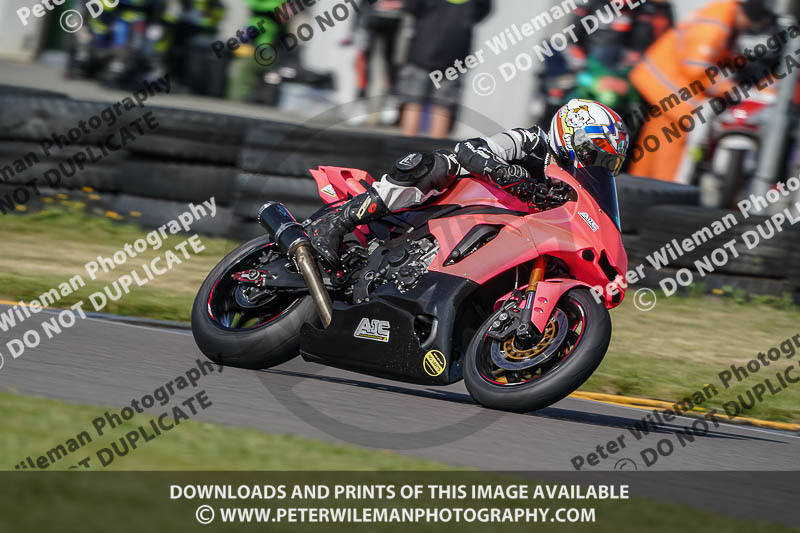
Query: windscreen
600	183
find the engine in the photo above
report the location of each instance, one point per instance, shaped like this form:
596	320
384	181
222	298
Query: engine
402	265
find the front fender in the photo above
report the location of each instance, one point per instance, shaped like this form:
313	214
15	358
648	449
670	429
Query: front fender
548	293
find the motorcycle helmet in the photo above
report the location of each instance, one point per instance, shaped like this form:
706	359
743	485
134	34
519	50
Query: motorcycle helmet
585	133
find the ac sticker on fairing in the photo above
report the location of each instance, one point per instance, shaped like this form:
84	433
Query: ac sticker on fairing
329	190
373	330
434	363
589	220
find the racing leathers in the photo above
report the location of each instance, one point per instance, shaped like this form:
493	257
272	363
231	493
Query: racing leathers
512	160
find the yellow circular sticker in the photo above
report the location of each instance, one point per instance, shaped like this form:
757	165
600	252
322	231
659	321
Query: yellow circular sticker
434	362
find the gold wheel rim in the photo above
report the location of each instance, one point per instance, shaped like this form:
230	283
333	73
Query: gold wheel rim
512	352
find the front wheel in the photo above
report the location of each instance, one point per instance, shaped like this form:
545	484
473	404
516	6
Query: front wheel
249	327
502	373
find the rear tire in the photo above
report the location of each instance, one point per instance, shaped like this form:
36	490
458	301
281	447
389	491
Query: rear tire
733	178
569	373
263	346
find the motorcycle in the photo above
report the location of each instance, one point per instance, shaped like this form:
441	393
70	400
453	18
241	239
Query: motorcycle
433	294
608	85
728	151
118	47
559	81
732	150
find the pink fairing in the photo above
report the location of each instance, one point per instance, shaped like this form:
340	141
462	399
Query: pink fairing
578	233
548	293
336	183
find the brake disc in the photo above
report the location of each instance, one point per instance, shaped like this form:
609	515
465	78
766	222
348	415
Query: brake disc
554	335
253	297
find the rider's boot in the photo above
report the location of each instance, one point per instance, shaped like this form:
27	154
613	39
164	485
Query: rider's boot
327	232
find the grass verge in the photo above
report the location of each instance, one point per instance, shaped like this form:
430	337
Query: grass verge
33	426
140	501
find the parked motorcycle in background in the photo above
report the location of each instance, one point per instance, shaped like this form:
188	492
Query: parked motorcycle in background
118	47
132	39
608	85
730	155
727	152
140	40
562	79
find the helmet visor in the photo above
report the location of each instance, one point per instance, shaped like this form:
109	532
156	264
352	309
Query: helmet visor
594	152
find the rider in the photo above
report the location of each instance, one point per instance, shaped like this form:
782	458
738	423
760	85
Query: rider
583	135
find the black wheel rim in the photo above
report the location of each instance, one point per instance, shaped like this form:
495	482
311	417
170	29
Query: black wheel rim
226	299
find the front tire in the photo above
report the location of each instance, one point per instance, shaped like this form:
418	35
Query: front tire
271	342
577	357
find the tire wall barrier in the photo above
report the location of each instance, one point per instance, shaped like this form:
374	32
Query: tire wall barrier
244	162
189	157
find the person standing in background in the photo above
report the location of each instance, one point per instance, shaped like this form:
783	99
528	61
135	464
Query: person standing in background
189	24
679	58
378	25
442	35
650	22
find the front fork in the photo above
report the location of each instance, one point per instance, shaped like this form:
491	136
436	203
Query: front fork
526	328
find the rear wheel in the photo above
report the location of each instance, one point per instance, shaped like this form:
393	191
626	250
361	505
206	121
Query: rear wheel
501	373
242	325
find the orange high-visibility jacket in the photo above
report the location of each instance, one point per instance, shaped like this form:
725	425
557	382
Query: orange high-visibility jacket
682	55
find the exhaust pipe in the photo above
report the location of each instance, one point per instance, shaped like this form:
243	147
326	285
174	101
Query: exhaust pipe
292	240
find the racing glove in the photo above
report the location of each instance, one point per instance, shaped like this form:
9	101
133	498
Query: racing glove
509	177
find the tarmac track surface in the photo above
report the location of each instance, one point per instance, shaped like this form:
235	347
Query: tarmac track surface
107	363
